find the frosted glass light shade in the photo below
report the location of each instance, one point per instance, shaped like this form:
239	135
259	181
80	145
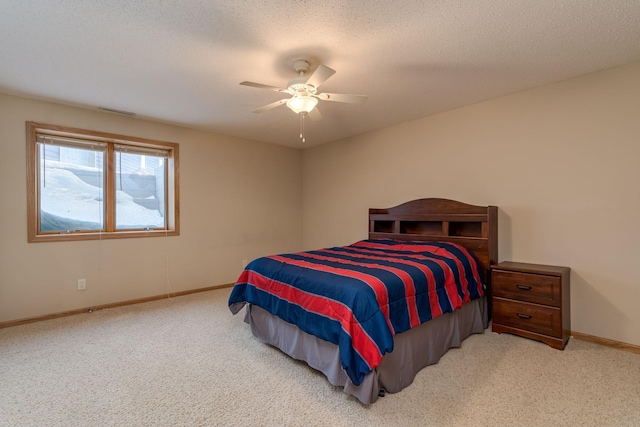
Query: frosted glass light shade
302	104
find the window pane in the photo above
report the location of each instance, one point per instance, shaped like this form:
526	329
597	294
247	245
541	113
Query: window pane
140	190
71	189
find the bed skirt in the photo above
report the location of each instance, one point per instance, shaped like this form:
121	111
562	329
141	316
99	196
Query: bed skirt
413	349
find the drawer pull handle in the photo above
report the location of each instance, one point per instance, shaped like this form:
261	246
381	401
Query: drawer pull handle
523	287
523	316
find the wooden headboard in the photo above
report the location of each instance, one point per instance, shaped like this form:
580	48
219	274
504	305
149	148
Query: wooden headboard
474	227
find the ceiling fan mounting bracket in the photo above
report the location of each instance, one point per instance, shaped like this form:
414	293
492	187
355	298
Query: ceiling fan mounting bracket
301	66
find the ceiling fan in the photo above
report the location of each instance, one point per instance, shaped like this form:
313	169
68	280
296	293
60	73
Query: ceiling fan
304	91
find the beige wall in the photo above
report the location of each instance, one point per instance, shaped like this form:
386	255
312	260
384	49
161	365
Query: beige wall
561	162
239	200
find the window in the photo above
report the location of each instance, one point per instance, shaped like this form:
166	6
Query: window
90	185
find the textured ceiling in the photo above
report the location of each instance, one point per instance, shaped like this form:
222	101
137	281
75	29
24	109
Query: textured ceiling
181	61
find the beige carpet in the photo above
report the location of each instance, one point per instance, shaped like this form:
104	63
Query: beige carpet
188	362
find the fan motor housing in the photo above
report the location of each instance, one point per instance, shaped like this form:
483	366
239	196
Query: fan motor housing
300	87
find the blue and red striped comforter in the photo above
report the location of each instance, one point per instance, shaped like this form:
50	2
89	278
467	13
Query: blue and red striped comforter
359	296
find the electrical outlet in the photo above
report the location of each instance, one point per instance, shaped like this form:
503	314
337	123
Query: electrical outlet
82	284
244	263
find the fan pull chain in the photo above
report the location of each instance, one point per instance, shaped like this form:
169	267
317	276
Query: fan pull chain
302	127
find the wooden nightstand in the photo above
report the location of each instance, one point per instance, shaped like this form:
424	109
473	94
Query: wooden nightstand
532	301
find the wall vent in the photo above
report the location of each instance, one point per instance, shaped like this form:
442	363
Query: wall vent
111	110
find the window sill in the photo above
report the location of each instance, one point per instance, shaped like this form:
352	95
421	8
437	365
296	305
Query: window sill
101	236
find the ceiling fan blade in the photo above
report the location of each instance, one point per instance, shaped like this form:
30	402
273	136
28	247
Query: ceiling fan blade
320	75
343	97
270	106
315	115
261	86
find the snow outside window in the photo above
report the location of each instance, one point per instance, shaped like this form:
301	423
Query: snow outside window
71	187
140	188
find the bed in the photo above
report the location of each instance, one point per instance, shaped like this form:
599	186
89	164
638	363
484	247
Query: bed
371	315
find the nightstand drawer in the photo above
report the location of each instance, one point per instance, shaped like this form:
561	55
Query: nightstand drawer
529	317
528	287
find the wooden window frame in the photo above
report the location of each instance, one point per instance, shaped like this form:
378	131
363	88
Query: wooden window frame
172	213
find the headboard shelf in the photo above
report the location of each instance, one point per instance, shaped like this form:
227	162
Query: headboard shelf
428	217
434	228
422	227
474	227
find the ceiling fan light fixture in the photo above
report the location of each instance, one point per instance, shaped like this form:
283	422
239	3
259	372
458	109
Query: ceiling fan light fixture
302	104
